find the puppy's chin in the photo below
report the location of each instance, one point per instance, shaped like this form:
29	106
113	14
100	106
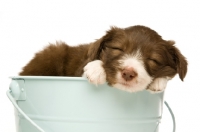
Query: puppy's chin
129	87
137	84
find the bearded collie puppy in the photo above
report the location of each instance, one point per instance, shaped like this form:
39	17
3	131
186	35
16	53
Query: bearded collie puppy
131	59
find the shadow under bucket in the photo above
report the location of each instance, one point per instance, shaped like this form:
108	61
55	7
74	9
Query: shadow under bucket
71	104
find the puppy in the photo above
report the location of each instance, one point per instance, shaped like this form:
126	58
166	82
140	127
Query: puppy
131	59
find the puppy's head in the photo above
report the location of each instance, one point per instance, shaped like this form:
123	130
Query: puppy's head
133	57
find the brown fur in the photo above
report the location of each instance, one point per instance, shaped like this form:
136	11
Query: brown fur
161	58
58	60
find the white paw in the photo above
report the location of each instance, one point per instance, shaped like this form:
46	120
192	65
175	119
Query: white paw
94	72
158	85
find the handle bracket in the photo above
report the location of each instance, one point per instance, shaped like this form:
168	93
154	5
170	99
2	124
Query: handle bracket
18	90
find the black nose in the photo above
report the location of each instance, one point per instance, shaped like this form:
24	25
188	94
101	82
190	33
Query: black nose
128	74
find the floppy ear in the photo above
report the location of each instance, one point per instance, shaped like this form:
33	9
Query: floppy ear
180	61
96	48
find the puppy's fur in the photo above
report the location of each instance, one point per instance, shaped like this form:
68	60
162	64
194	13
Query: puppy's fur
132	59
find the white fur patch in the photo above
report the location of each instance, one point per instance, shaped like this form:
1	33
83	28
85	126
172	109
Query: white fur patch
95	72
158	85
140	82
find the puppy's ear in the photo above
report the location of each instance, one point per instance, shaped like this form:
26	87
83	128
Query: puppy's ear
96	48
180	61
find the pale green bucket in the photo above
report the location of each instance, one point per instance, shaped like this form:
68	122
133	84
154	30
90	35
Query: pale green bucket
71	104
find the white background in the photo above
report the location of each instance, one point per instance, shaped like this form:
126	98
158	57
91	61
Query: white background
27	26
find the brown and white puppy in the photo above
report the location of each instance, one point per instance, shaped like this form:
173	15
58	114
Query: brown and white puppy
131	59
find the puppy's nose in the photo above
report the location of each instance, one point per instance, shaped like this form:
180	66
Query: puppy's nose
128	74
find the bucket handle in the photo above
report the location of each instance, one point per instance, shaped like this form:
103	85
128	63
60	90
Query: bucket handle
41	130
21	112
172	115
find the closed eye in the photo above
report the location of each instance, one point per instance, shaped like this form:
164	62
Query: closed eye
155	61
115	48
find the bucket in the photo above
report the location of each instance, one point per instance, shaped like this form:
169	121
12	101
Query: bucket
71	104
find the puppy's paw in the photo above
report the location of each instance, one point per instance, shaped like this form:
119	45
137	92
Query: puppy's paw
158	85
95	72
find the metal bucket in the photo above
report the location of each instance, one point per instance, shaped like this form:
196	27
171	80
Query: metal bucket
71	104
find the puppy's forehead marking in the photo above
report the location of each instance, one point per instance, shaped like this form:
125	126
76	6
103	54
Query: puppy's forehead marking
134	59
135	54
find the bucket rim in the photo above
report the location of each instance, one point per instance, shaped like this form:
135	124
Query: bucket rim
49	78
